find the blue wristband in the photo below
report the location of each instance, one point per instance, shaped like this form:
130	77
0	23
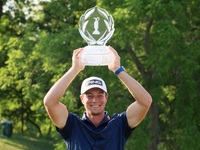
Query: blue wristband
119	70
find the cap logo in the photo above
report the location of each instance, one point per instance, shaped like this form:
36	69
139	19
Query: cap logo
94	82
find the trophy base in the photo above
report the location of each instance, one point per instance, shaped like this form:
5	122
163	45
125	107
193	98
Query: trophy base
96	56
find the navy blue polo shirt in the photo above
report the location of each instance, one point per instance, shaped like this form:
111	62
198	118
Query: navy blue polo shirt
110	134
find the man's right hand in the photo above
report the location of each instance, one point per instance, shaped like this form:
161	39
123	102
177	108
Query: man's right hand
76	61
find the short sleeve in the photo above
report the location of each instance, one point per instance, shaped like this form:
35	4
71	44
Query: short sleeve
65	132
126	128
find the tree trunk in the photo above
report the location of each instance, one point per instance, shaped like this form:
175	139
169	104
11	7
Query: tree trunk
22	115
153	112
49	131
33	123
1	8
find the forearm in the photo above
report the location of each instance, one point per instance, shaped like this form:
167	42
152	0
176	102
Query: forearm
136	89
58	89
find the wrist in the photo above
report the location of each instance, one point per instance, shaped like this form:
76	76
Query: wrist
119	70
75	69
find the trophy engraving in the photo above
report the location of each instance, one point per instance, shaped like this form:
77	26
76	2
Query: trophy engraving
96	27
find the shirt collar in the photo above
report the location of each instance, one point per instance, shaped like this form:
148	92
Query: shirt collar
105	119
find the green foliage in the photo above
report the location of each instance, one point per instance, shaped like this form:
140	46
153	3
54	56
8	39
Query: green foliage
158	42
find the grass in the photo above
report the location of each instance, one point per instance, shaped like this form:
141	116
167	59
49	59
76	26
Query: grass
24	142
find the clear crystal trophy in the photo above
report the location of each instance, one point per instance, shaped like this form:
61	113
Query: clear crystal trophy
96	27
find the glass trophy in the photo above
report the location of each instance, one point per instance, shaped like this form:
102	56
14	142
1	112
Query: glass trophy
96	27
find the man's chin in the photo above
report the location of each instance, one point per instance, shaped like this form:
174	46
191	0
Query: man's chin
96	113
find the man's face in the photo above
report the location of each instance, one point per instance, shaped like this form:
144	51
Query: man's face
94	101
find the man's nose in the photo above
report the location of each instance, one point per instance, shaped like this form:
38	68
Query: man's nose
94	99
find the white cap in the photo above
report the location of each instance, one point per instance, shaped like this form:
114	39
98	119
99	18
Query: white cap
93	82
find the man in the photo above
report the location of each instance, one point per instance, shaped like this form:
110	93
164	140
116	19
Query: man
96	129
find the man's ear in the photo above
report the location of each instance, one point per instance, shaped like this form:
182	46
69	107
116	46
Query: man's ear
81	97
106	97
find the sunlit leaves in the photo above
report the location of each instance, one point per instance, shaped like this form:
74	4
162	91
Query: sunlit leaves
35	53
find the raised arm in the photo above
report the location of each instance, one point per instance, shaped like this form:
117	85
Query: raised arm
137	110
56	110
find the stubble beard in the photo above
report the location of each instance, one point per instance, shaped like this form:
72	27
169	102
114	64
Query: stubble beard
95	114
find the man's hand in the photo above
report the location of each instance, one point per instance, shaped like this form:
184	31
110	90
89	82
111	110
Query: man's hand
115	64
76	63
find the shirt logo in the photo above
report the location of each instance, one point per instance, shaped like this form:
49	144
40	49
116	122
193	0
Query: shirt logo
94	82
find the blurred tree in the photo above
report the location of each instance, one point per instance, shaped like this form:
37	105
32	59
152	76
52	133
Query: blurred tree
162	39
158	42
9	27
